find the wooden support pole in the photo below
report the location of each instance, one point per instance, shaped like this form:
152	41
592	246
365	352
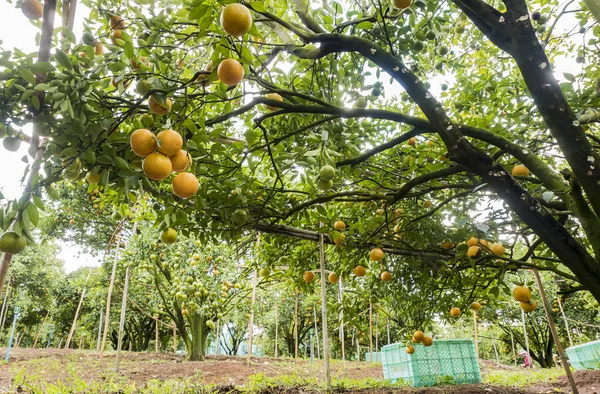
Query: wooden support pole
296	328
111	287
561	352
562	312
377	332
370	331
37	336
276	329
357	349
387	328
74	325
324	312
475	334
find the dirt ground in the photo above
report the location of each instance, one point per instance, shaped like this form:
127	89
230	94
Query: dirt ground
231	372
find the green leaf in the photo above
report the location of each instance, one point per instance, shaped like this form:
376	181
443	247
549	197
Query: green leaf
121	163
366	25
34	215
42	67
258	6
28	76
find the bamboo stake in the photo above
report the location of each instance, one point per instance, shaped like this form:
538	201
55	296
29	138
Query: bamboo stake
316	333
387	327
341	301
111	287
324	313
251	322
566	322
80	341
512	341
495	351
371	331
276	329
218	344
74	325
525	333
296	329
561	352
4	306
37	336
377	332
99	333
475	331
357	349
123	310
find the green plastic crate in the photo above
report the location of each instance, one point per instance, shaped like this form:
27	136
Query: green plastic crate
451	361
586	356
376	357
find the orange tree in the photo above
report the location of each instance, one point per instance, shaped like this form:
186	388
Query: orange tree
389	118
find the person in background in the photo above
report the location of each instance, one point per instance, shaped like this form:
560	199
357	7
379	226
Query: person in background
527	360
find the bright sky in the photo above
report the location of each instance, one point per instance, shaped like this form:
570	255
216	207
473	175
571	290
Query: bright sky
10	179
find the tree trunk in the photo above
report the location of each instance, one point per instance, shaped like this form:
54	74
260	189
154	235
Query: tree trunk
199	335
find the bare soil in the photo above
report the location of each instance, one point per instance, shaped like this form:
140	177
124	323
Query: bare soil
229	373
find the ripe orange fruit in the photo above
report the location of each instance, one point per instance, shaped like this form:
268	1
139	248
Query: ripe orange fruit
472	241
386	276
230	72
236	19
32	9
412	141
447	245
185	185
142	62
203	79
401	4
332	277
308	276
181	161
157	166
376	254
474	251
117	22
170	142
418	336
520	170
529	306
115	82
142	142
339	225
427	204
497	249
410	349
116	35
522	293
273	96
427	341
98	49
360	271
157	108
455	312
340	239
476	306
484	243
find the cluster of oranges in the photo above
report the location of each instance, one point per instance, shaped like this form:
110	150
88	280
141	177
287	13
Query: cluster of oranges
163	154
523	295
475	245
419	337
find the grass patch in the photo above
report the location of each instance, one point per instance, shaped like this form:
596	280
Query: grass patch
523	378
